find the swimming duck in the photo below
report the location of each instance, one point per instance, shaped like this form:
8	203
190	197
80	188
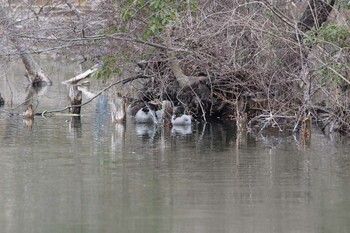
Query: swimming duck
146	115
134	107
157	105
179	118
164	112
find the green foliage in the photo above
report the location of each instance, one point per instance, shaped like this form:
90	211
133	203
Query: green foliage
109	67
333	33
326	72
332	38
344	3
110	30
310	38
127	13
156	14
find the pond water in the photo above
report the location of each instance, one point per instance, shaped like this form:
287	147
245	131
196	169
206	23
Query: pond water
89	175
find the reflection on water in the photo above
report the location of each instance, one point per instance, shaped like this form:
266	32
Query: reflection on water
74	127
207	181
182	129
85	174
146	130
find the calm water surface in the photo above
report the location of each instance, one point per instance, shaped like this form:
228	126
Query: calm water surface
88	175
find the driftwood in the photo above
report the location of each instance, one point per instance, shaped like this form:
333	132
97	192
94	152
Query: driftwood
83	75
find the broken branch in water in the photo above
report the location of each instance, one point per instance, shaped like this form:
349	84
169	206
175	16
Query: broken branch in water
123	81
82	76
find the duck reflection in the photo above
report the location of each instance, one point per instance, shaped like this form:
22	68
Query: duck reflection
146	130
181	129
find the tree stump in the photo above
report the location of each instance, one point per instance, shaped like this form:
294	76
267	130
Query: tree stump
118	109
305	130
29	113
75	97
167	114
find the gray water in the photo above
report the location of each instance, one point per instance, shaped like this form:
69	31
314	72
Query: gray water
88	175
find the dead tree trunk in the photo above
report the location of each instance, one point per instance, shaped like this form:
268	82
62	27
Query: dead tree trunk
35	74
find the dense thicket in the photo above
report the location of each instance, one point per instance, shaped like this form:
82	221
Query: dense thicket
272	61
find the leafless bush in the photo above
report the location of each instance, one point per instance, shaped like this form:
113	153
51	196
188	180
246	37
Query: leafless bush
247	51
244	50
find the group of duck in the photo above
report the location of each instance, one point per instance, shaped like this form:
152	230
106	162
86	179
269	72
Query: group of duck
154	112
157	112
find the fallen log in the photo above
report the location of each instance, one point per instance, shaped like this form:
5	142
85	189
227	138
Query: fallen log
34	73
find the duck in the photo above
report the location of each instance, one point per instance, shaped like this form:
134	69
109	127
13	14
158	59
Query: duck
157	105
181	120
164	112
159	114
146	115
134	107
179	117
